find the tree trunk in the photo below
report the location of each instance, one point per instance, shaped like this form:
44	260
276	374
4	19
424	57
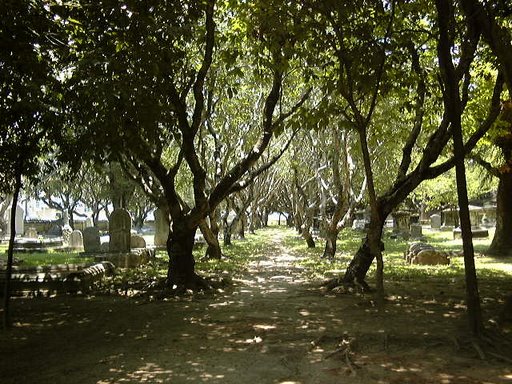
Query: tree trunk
361	262
289	220
227	234
8	273
252	220
241	225
213	250
264	218
181	275
331	236
502	242
454	107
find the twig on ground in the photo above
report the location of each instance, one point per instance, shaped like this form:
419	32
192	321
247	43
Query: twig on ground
478	349
499	357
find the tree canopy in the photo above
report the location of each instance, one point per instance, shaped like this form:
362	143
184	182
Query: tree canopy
356	103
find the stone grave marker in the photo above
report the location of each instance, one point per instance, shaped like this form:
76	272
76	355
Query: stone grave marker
435	221
76	239
19	224
137	241
161	228
91	240
416	230
31	233
119	227
401	221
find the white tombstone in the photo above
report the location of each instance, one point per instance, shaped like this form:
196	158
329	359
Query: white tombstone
435	221
19	225
76	240
88	223
31	233
161	227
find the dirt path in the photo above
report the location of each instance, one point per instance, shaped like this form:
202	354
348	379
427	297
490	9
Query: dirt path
270	327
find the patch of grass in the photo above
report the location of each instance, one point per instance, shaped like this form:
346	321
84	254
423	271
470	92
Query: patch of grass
395	267
237	256
49	258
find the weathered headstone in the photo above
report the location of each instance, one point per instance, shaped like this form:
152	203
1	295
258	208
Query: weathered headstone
416	230
119	227
105	247
31	233
450	218
402	220
88	223
91	239
137	241
19	225
76	240
435	221
161	227
54	231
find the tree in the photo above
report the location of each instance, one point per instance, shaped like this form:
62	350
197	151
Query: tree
146	99
452	76
502	241
95	190
485	20
28	100
414	95
61	189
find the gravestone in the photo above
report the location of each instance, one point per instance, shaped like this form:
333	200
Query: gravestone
19	225
435	221
88	223
105	247
54	231
76	240
119	228
161	228
31	233
137	241
91	240
402	220
450	218
416	230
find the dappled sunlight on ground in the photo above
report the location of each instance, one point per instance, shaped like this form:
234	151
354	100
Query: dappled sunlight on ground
272	325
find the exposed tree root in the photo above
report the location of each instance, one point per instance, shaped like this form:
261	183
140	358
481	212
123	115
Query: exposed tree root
338	285
491	344
198	285
344	349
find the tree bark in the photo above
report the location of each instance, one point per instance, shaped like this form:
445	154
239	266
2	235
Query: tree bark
502	242
181	274
10	251
331	236
241	225
213	250
361	262
453	105
306	234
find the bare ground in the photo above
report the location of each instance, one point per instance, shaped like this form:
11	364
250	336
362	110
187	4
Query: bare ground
271	326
